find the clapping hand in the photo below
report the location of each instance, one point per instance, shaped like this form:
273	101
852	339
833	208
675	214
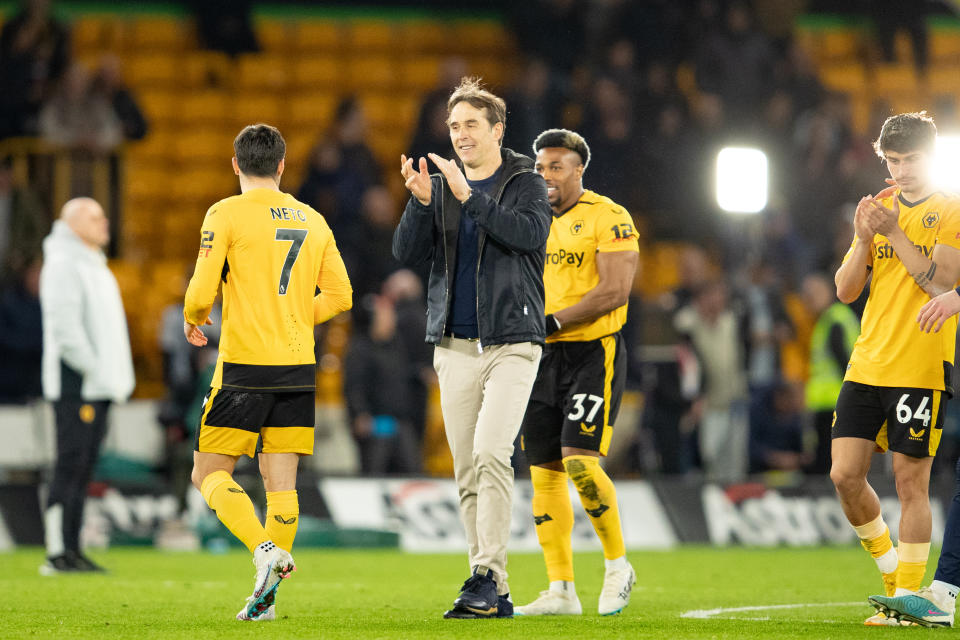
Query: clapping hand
417	182
455	178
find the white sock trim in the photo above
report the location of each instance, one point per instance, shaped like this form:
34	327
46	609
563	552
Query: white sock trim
563	586
887	563
945	590
616	564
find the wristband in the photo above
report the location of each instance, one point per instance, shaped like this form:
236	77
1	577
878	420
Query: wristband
553	325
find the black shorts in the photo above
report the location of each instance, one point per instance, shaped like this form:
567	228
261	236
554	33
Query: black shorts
902	419
575	398
232	421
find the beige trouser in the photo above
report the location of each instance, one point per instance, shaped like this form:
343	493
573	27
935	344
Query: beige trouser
483	397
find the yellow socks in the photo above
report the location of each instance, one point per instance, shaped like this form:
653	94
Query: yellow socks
234	508
875	538
283	512
913	564
553	515
599	499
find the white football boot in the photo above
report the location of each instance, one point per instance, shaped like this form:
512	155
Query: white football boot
273	565
552	603
615	595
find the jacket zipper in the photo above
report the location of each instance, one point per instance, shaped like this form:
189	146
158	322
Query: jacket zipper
483	240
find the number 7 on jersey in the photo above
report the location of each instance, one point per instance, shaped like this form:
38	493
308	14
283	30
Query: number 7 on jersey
296	238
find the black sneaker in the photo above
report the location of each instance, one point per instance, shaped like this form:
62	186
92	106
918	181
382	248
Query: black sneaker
57	564
504	606
83	563
478	597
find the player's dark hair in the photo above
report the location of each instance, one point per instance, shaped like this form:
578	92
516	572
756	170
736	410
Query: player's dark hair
259	149
472	92
906	132
565	139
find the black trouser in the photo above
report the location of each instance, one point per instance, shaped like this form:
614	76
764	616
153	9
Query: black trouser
81	427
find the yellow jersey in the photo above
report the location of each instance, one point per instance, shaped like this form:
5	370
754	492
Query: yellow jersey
892	351
594	224
272	253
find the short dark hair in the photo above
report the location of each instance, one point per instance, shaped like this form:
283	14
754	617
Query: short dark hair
565	139
259	149
906	132
471	90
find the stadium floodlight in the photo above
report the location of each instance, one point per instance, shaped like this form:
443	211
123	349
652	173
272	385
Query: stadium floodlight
741	179
946	163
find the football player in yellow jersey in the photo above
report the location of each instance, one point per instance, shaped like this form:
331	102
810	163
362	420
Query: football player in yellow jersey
897	380
272	253
592	255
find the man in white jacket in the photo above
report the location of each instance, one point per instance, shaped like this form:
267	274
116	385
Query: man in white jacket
86	367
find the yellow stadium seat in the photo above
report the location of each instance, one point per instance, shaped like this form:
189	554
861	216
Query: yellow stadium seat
206	69
944	45
419	73
369	72
263	72
90	34
157	146
319	35
205	144
153	70
203	106
426	36
275	36
899	79
159	34
315	73
943	78
844	77
311	110
148	184
495	72
487	36
159	105
390	109
839	45
253	108
370	35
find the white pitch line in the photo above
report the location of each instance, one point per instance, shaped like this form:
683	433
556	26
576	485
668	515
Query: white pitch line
709	613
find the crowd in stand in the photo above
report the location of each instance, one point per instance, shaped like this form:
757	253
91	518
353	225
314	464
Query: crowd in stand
656	88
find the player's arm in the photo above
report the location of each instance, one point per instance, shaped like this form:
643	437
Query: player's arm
202	290
936	274
853	274
336	294
616	270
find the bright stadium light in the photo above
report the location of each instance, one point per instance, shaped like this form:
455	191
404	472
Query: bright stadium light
741	179
946	163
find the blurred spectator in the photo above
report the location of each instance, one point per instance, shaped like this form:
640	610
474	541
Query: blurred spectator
187	372
892	16
224	25
553	30
78	117
834	334
735	62
376	389
432	134
535	105
341	168
367	247
21	337
23	224
613	134
767	325
405	289
108	83
714	331
34	52
776	429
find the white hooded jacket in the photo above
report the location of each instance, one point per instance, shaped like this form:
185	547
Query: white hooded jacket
83	320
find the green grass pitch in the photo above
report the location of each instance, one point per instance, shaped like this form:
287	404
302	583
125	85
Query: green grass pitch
388	594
